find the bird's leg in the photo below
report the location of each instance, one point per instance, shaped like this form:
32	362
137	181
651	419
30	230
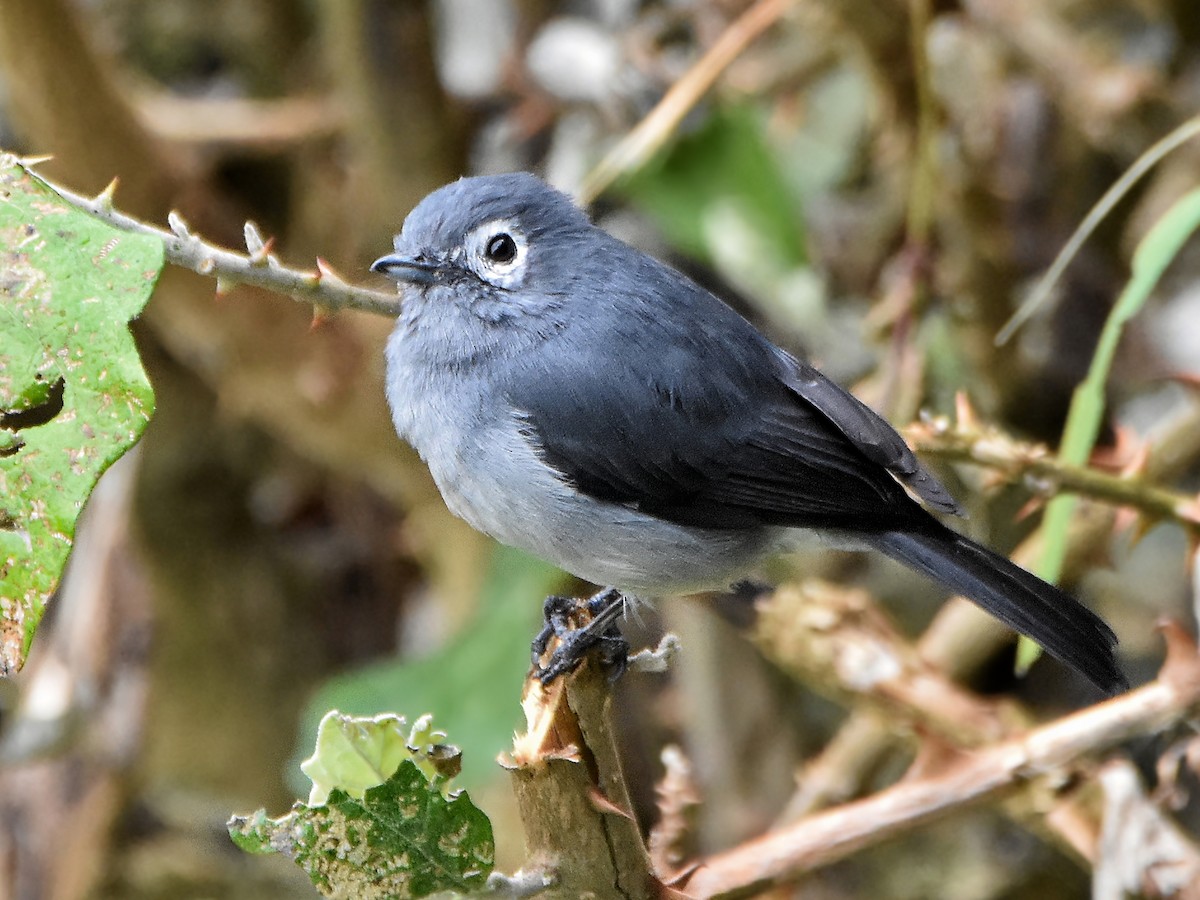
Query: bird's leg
574	643
556	612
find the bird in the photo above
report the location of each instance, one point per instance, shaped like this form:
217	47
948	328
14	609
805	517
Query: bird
580	400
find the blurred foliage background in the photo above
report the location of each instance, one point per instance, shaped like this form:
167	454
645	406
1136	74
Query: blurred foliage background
874	182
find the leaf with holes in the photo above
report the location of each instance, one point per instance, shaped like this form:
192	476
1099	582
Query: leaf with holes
358	752
73	395
389	824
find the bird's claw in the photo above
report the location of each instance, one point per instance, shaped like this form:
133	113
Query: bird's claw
576	642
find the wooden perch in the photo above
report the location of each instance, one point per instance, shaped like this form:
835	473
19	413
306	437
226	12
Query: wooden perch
571	792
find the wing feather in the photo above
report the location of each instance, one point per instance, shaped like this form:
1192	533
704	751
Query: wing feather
707	423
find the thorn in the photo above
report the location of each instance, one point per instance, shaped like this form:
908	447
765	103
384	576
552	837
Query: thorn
1124	519
964	412
1032	505
253	237
1180	668
178	226
1127	455
30	162
326	272
1136	525
104	199
206	265
990	482
602	804
258	247
225	287
1191	557
1187	379
1189	511
262	257
319	318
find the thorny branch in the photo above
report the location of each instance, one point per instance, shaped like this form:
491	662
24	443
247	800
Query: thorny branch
258	267
1051	754
1035	465
954	645
653	131
837	639
325	289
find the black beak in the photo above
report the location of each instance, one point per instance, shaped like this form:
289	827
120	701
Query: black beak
413	271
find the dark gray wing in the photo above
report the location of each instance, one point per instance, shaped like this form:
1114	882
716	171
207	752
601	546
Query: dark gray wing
869	432
706	423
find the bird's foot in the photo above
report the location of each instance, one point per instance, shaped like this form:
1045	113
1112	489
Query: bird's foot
575	642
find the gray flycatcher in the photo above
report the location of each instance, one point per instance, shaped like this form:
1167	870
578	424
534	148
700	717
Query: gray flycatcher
580	400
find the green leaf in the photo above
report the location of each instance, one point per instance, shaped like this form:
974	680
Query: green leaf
726	164
1154	253
355	753
73	395
406	837
473	684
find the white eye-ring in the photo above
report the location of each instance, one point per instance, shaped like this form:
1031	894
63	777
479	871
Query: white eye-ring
498	251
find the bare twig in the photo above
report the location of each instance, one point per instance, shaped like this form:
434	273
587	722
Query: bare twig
827	632
259	267
839	640
986	774
241	123
652	132
958	641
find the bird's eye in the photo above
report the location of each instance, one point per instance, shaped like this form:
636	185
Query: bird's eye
501	248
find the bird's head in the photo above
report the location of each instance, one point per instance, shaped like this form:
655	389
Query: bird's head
499	237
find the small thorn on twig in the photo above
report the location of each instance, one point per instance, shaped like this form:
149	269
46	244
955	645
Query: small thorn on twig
30	162
1031	506
1139	527
1187	379
326	272
253	238
1190	511
601	803
1128	455
965	413
104	199
262	257
319	317
178	226
225	287
1182	665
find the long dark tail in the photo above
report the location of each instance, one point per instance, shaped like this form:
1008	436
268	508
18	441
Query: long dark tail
1025	603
